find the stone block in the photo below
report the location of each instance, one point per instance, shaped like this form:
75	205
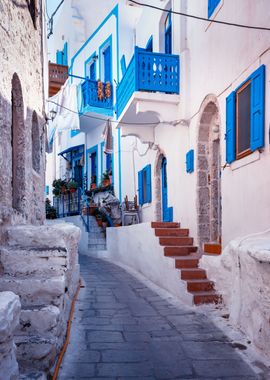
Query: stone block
36	291
10	309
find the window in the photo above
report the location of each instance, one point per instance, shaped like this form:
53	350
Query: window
47	190
62	56
212	4
149	45
33	10
168	34
145	187
92	71
107	64
245	117
74	132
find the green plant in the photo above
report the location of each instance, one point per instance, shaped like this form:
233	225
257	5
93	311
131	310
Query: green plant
105	176
72	185
50	210
58	185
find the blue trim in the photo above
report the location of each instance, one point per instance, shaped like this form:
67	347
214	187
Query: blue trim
114	12
149	45
101	156
119	165
90	151
212	4
102	48
123	65
190	161
70	149
74	133
87	74
100	110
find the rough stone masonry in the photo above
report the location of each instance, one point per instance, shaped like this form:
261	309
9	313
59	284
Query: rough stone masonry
37	262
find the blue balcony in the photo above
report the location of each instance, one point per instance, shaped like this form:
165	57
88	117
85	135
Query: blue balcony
148	72
97	98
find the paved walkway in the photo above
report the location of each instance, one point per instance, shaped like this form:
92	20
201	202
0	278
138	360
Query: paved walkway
123	330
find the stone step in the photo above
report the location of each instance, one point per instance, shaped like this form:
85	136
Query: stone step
97	240
165	225
193	273
25	262
212	248
35	290
186	262
206	297
97	247
179	251
175	241
202	285
171	232
33	375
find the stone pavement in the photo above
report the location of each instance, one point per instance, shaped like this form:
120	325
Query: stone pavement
123	330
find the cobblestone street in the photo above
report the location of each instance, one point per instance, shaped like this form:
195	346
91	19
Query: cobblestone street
122	330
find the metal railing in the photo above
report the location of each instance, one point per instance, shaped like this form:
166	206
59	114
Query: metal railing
95	94
68	204
148	71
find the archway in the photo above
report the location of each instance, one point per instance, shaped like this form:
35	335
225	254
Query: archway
208	175
18	147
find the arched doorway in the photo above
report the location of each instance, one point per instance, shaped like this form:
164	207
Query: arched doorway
208	175
18	147
162	211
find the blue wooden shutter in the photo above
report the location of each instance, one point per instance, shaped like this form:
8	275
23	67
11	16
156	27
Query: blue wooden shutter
257	108
93	71
190	161
212	4
140	186
148	184
59	57
65	54
230	128
107	64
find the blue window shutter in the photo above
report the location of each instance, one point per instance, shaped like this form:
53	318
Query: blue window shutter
107	64
59	57
149	46
140	186
93	71
148	184
257	108
190	161
123	65
230	128
65	54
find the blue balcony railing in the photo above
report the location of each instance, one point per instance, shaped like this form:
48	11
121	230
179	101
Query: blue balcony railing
147	71
90	95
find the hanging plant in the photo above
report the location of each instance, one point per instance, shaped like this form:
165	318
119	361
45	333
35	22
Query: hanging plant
108	90
100	92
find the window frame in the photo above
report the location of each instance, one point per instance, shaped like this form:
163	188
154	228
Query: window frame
212	7
248	151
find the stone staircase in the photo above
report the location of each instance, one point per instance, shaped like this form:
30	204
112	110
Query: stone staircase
178	245
40	264
96	236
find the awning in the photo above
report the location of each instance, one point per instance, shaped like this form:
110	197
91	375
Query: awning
68	150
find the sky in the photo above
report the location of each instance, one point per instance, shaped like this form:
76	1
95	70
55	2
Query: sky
52	5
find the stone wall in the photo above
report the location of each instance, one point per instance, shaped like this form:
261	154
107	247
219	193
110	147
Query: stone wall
21	110
10	309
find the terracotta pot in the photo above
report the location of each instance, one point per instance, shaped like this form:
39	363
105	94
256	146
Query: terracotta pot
92	210
73	190
106	182
93	186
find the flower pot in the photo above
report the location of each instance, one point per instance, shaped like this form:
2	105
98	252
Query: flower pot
93	186
92	210
73	190
105	182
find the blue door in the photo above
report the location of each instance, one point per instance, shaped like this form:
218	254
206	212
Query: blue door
166	211
107	64
94	167
93	71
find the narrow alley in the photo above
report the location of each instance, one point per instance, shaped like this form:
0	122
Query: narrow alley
123	330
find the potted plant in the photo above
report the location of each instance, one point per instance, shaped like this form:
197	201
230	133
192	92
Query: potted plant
105	180
59	186
93	184
50	210
72	186
99	220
